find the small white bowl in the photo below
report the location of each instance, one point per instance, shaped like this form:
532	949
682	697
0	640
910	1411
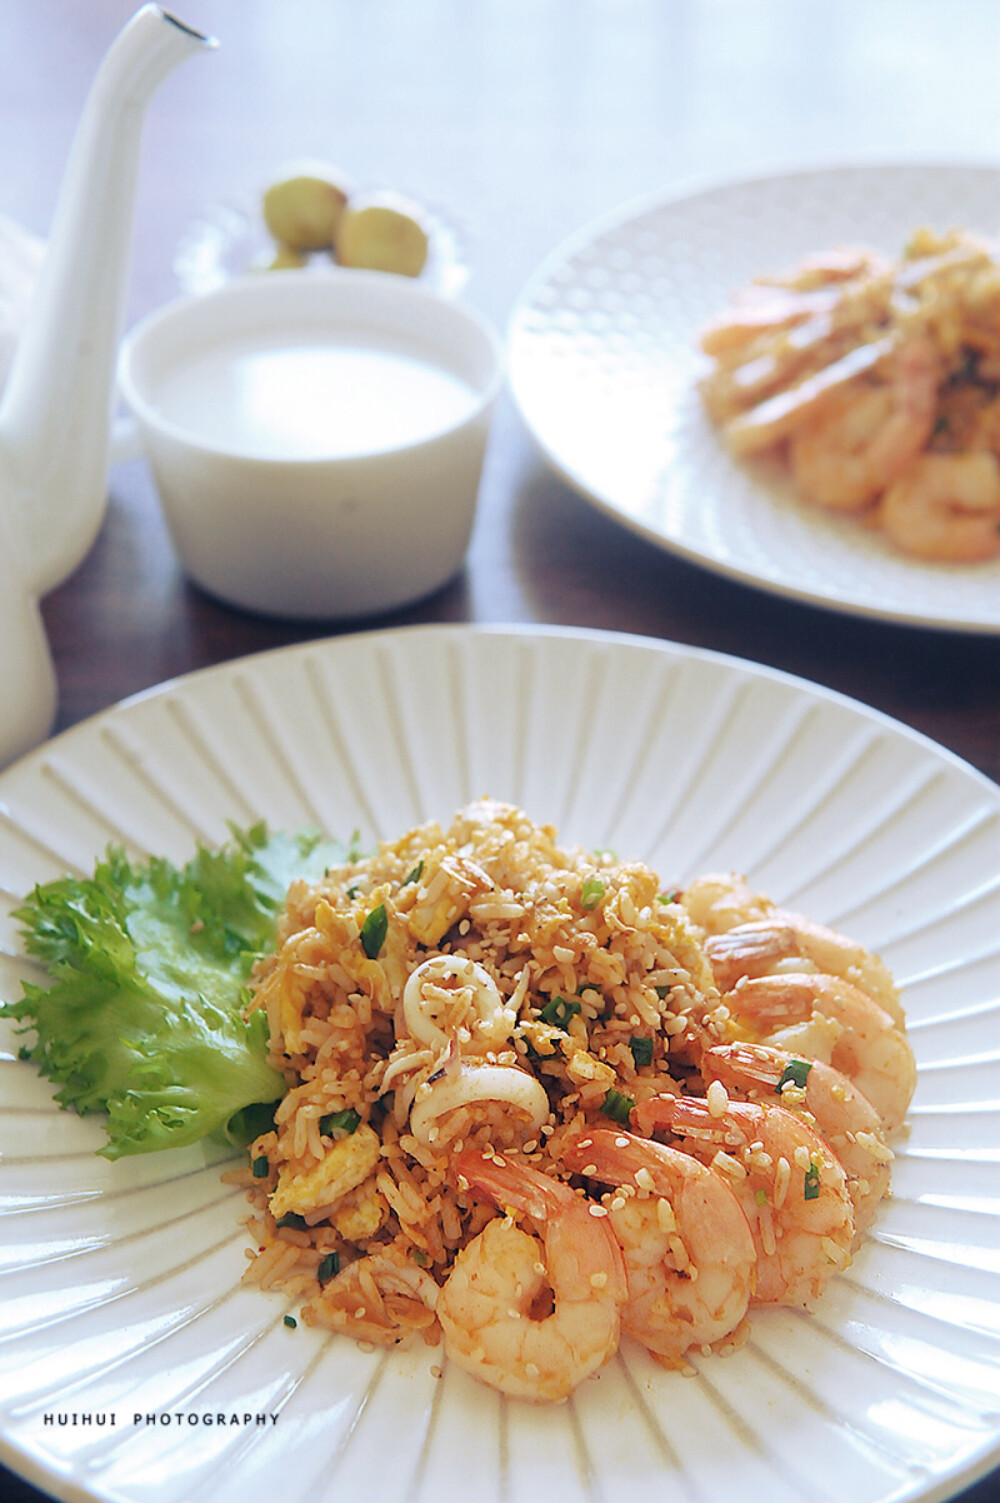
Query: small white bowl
317	443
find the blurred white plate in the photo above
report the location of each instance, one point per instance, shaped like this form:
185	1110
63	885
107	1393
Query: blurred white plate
119	1291
604	360
227	239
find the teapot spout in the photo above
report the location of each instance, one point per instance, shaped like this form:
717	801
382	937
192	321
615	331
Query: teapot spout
55	416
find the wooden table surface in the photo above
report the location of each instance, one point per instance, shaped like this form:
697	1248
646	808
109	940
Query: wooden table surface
525	120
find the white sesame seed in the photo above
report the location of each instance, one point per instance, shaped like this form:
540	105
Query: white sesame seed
679	1253
874	1146
782	1177
665	1218
717	1098
726	1164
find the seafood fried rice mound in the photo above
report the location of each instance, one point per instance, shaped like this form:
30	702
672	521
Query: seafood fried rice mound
475	987
535	1100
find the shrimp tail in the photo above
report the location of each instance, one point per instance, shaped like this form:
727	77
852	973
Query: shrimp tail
612	1157
683	1115
515	1188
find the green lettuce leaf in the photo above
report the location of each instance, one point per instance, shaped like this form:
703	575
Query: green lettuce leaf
148	965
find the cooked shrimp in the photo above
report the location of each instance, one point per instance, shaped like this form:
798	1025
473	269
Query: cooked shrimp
720	900
839	264
791	1185
825	1099
382	1298
852	283
868	433
946	507
826	1018
761	310
532	1319
787	343
689	1255
786	941
780	413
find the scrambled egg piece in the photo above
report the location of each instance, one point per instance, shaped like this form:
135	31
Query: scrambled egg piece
344	1167
445	897
361	1212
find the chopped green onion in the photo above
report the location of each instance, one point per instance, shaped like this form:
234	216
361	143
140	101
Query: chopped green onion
373	931
618	1106
795	1073
673	896
293	1219
419	1257
346	1121
760	1196
414	875
559	1011
329	1267
290	1322
353	890
642	1051
261	1167
591	892
663	992
811	1189
250	1122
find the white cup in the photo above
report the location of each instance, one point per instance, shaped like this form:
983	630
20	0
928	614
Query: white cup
300	506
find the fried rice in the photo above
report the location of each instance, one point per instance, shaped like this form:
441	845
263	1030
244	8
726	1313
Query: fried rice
601	971
480	995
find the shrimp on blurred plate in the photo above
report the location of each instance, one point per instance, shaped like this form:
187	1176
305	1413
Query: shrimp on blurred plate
873	381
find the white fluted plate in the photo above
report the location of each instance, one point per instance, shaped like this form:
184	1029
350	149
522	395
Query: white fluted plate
604	361
119	1292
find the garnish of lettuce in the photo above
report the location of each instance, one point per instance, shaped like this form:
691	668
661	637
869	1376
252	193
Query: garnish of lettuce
148	964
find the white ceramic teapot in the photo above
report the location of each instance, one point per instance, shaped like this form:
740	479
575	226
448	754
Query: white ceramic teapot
56	409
